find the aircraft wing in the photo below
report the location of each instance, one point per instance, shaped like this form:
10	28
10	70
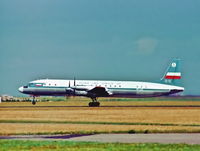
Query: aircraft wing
99	92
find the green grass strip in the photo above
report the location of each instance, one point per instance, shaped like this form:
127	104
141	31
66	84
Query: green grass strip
91	146
100	123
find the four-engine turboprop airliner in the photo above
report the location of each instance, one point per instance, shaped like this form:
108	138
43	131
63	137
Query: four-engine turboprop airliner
97	88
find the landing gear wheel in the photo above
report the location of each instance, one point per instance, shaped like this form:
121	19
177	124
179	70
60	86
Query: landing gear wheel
94	104
33	102
90	104
97	103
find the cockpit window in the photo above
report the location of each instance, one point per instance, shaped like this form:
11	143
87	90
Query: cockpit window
35	84
25	86
31	84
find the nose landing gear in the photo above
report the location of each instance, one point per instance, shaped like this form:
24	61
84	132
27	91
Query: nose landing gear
34	100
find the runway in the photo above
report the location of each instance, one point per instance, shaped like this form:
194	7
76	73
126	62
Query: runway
130	106
166	138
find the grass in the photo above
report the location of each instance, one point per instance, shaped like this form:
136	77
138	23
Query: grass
181	115
91	146
33	128
101	123
69	117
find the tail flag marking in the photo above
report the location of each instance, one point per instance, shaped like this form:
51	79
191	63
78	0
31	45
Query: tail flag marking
173	75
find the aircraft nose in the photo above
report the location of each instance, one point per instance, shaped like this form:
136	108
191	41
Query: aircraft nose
20	89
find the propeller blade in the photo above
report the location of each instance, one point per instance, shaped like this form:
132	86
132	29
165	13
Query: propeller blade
74	86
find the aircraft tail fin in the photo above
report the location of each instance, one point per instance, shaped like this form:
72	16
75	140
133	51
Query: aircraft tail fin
173	74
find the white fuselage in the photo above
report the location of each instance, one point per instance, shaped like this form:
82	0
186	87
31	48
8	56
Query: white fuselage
130	89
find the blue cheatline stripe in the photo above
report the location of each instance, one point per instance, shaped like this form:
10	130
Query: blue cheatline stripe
140	90
47	87
122	89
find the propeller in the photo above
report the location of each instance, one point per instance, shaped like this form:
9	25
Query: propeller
67	91
74	86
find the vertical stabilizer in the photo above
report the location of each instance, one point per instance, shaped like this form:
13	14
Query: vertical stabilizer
173	74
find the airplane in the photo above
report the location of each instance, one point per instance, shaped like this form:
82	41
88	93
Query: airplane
98	88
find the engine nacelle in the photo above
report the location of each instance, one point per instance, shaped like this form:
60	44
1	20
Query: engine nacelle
81	93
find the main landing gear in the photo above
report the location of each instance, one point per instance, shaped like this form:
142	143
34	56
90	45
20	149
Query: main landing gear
34	100
94	103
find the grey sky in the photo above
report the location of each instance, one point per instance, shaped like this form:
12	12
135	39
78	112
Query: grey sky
97	39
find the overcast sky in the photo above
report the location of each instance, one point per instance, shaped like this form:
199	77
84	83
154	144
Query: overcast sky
98	39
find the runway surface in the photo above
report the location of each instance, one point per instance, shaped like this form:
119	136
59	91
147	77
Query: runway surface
186	138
